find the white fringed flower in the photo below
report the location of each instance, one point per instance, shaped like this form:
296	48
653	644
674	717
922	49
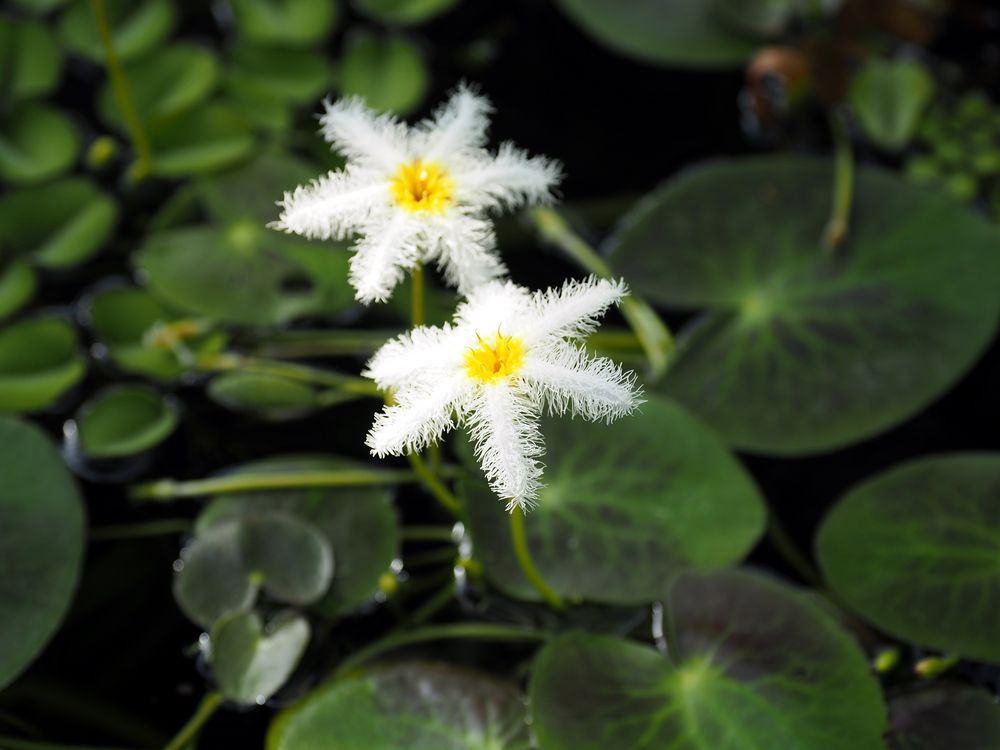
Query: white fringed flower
509	355
416	194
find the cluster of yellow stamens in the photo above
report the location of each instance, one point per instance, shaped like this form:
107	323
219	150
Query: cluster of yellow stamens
422	186
496	360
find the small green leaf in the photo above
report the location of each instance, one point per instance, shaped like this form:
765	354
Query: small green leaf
270	396
801	350
137	27
388	72
416	706
164	84
30	65
18	283
916	551
624	507
60	224
276	74
888	97
125	420
404	12
288	22
41	544
250	664
39	361
36	142
213	581
199	141
944	717
763	19
679	32
753	664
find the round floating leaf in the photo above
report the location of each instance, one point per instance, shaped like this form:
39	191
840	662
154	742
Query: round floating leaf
404	11
268	395
291	22
18	283
244	275
624	507
388	72
801	349
679	32
755	664
274	74
39	361
888	97
41	544
125	420
213	581
758	18
248	191
200	141
165	83
250	664
916	551
137	27
415	706
944	717
29	60
359	523
60	224
36	142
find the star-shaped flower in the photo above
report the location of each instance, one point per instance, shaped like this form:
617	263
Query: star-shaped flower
509	355
416	194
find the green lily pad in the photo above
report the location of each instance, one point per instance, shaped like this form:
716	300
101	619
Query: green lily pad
245	274
30	65
60	224
247	191
36	142
165	83
413	705
765	19
388	72
137	27
888	97
916	551
289	22
41	544
677	33
250	664
404	11
18	283
39	361
944	717
802	350
754	664
270	396
359	523
200	141
274	74
624	507
228	562
125	420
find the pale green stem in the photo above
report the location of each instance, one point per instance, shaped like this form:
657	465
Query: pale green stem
130	114
164	527
434	485
843	184
417	295
206	709
784	546
427	534
649	328
321	343
527	564
347	383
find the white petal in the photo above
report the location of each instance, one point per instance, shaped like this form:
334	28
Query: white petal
564	378
419	418
391	245
367	139
508	180
572	310
465	248
504	430
457	130
423	352
496	305
333	206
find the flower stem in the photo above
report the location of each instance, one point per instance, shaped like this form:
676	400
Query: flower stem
206	709
652	332
170	489
843	184
348	383
417	307
427	534
162	527
321	343
434	485
133	123
473	630
527	563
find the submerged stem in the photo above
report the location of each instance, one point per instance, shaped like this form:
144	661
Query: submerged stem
15	743
417	307
133	122
321	343
352	384
783	544
843	184
527	563
434	485
206	709
161	527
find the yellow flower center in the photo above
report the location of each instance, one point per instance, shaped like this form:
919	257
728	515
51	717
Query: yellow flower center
494	360
422	186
